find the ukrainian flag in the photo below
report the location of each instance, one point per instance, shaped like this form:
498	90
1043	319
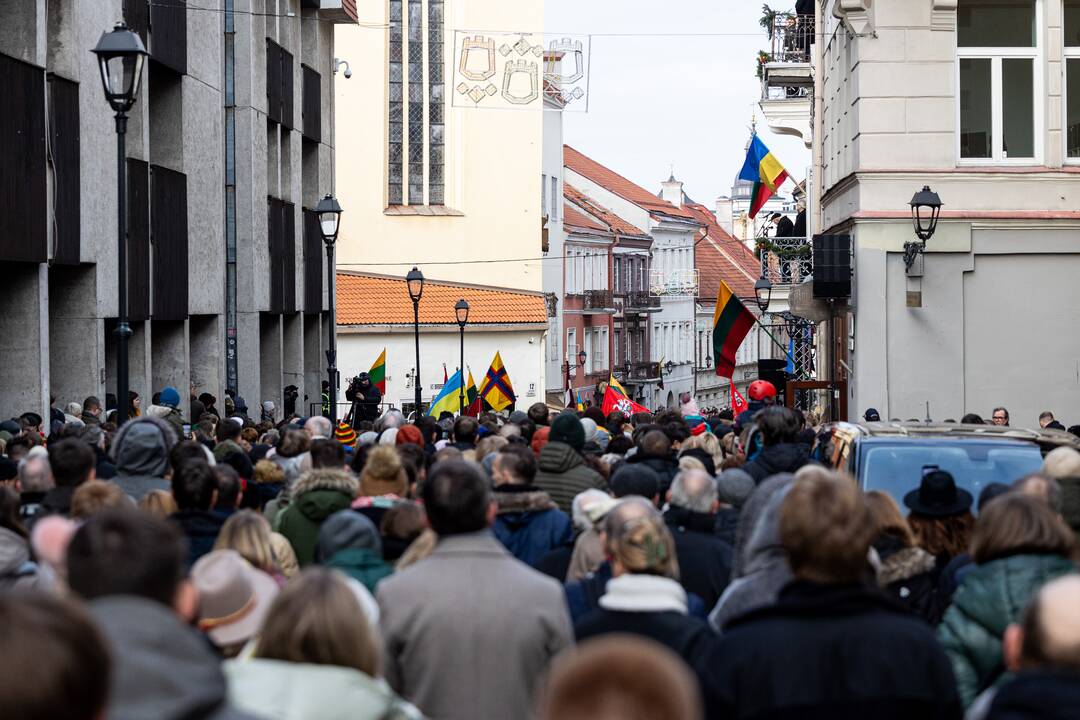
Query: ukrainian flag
497	390
448	398
764	170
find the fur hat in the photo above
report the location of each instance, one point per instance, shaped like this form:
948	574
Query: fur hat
383	473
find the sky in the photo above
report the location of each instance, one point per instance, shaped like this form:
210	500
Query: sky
657	102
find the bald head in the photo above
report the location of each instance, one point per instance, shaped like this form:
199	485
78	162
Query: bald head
694	490
630	508
1042	487
1049	636
318	427
35	475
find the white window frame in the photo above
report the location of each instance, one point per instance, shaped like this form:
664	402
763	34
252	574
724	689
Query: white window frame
995	55
571	345
1067	53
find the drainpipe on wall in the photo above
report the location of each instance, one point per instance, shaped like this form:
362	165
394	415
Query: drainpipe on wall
231	362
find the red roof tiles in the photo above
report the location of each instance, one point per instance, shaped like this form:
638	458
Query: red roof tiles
718	255
572	217
616	183
364	299
598	211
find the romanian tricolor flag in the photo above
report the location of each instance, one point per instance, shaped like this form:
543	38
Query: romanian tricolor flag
377	373
731	322
497	390
764	170
472	397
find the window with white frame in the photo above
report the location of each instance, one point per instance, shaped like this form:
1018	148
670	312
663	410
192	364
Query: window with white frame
543	194
998	58
590	351
1072	79
571	345
603	349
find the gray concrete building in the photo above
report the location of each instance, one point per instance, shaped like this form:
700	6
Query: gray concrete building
229	146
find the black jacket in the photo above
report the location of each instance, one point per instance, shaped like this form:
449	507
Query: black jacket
908	576
704	559
688	637
1037	695
201	527
727	522
836	652
104	469
666	468
785	228
365	401
781	458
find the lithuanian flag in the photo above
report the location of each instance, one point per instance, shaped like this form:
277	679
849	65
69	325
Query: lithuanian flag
497	390
764	170
377	373
472	397
731	322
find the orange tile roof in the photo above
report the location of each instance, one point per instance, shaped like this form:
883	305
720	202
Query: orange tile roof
598	211
718	255
572	217
364	299
616	183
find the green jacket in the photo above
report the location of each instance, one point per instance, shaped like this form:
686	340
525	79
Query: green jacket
562	474
361	564
991	597
317	495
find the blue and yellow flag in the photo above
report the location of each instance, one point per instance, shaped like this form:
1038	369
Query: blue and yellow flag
497	391
764	170
448	398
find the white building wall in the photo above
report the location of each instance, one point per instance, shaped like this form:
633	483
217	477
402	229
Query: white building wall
554	282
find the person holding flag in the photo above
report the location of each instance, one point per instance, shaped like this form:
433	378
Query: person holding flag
497	391
615	398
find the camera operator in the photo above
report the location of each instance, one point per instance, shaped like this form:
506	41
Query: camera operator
365	398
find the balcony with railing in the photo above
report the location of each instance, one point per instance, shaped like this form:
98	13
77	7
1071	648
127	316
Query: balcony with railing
787	76
673	282
640	372
785	260
598	302
641	302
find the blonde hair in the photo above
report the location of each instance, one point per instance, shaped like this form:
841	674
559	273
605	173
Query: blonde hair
317	619
639	540
248	533
268	471
688	462
158	503
490	444
707	442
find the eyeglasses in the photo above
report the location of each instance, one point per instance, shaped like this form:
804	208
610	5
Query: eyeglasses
1000	417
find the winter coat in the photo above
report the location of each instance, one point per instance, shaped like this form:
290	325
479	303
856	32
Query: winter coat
365	402
649	606
765	569
781	458
990	598
563	474
469	630
666	468
529	523
556	563
17	570
56	502
825	651
365	566
1037	695
750	516
201	528
317	495
583	596
140	450
297	691
587	556
746	418
162	669
104	470
727	523
907	575
226	447
704	559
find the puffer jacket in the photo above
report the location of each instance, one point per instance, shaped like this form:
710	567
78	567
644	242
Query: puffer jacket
990	598
907	575
317	495
666	468
529	523
774	459
563	474
141	453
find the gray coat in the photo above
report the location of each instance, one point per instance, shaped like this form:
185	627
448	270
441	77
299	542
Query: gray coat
470	630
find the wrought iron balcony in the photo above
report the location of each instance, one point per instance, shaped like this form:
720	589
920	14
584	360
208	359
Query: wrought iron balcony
599	301
675	282
785	260
642	371
641	301
785	71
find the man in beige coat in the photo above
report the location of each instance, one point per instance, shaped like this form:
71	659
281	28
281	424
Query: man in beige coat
470	630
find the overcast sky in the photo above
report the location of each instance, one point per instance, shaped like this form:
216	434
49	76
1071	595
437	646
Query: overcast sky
657	101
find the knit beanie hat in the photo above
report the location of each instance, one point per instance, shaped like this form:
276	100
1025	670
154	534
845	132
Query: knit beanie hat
409	434
170	397
345	435
383	473
568	429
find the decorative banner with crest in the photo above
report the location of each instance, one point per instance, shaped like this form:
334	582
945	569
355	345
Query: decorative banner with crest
521	70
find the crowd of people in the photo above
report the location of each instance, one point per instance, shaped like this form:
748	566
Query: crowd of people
541	564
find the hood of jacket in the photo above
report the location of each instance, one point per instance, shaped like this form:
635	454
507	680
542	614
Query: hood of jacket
522	499
996	593
279	689
141	447
14	552
903	564
765	549
558	457
321	492
782	458
750	516
162	669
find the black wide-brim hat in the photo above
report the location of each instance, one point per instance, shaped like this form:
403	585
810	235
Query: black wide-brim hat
938	496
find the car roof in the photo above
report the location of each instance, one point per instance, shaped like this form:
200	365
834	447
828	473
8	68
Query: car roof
1047	439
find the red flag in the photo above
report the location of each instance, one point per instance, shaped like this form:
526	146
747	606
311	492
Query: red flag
738	402
445	377
615	399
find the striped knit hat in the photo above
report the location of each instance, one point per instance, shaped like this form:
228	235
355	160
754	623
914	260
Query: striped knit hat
345	435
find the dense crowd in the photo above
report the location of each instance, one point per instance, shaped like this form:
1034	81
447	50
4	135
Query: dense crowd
541	564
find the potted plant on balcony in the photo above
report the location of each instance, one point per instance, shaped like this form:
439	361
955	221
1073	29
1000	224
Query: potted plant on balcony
762	58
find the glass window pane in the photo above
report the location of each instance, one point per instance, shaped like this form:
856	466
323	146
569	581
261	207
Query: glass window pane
975	108
995	23
1072	113
1072	23
1018	107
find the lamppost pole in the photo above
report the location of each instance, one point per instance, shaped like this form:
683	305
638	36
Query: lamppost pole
461	311
415	282
329	214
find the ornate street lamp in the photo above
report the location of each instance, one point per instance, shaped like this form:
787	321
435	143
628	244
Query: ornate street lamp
461	310
763	293
415	282
329	212
925	210
120	55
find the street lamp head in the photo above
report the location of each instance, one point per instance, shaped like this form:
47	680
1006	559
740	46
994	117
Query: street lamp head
329	212
668	367
925	209
461	309
415	281
763	293
708	361
120	55
581	358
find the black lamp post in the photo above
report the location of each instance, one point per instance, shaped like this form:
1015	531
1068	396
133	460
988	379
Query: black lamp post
763	293
925	209
120	55
415	281
582	356
461	310
329	212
